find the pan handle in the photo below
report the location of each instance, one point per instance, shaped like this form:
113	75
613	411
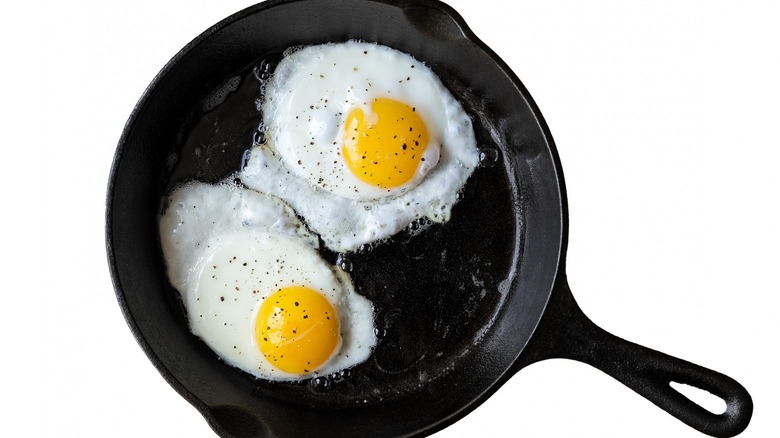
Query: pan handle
565	332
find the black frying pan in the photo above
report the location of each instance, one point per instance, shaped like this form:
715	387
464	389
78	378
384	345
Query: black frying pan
460	307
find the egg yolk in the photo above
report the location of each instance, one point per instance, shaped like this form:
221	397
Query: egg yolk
297	329
386	147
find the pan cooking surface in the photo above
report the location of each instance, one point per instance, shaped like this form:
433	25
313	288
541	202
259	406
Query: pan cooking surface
435	288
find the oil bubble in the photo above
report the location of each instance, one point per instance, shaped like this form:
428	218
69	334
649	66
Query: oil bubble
344	263
319	384
488	156
364	249
265	68
258	137
342	375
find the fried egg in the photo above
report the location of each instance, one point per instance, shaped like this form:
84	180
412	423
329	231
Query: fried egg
361	140
256	290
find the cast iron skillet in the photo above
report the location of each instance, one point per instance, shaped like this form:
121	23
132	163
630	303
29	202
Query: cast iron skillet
460	307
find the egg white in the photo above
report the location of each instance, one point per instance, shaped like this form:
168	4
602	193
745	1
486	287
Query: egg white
305	108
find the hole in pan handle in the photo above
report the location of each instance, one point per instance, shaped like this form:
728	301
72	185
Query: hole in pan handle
565	332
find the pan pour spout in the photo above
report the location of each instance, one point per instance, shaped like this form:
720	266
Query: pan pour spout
566	333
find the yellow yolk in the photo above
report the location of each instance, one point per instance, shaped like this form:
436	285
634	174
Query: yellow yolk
386	148
297	329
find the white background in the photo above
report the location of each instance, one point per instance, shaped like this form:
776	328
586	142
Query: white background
665	115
